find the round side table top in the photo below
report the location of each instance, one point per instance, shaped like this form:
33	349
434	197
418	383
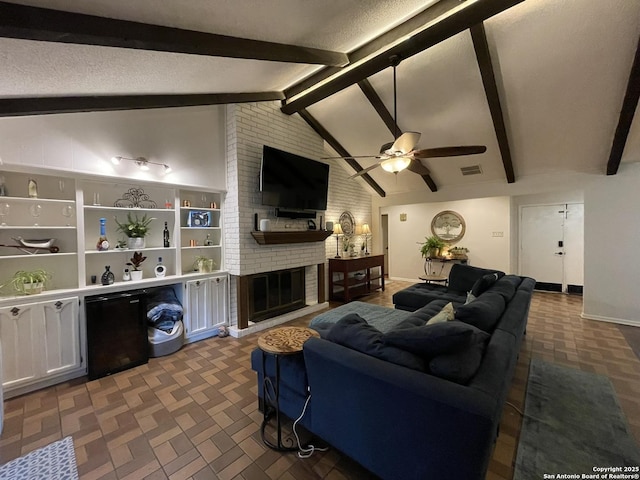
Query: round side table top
285	340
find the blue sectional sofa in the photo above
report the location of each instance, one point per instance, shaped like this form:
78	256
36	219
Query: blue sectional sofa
389	391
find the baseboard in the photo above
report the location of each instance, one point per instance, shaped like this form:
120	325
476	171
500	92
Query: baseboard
621	321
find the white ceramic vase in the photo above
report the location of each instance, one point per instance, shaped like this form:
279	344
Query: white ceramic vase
136	275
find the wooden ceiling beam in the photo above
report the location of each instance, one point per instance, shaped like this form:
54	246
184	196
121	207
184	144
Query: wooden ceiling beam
481	47
388	120
15	107
47	25
629	106
327	137
452	24
414	23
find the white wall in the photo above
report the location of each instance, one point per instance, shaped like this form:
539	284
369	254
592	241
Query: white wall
612	256
482	217
190	139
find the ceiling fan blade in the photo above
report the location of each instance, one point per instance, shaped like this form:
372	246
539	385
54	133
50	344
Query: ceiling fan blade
350	156
405	142
417	167
450	151
365	170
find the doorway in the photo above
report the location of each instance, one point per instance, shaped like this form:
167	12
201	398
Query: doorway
384	228
552	246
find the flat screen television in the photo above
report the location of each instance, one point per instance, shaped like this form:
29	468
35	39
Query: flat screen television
289	181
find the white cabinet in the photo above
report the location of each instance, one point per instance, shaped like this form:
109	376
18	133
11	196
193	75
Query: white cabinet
40	342
206	306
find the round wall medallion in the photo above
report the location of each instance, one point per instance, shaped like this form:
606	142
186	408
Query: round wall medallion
448	226
348	223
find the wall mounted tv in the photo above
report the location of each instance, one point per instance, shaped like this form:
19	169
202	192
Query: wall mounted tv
289	181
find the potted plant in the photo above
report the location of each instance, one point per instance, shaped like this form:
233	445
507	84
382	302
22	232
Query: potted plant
135	229
431	247
135	261
29	282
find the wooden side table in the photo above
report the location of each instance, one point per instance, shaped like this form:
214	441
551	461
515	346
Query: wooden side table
277	342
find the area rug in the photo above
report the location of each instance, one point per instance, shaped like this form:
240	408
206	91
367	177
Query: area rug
572	423
56	461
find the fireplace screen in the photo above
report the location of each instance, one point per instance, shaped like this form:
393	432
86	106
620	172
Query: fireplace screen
275	293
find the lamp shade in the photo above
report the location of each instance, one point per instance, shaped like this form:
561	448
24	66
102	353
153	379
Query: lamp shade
395	164
337	229
365	229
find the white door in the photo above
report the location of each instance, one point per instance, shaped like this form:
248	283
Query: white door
384	227
20	344
197	315
219	295
549	235
61	338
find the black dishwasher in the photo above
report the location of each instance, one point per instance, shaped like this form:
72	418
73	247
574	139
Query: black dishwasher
116	332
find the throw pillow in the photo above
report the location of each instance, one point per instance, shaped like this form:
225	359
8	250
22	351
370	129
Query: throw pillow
483	283
484	312
460	367
352	331
444	315
470	298
432	340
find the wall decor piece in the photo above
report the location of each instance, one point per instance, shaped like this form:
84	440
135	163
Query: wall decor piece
348	223
33	188
135	198
448	226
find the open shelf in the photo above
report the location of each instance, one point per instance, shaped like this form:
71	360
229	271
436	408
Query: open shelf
300	236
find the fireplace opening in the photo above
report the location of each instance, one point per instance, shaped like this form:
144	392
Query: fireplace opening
275	293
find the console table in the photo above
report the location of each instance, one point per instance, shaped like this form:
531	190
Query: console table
349	285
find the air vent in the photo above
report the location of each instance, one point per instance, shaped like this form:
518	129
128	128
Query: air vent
471	170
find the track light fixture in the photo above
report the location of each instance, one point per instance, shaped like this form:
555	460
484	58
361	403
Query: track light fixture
141	162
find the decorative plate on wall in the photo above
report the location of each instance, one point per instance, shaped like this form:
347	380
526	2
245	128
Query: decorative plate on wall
448	226
348	223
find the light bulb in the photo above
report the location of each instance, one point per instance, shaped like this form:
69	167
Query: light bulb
396	164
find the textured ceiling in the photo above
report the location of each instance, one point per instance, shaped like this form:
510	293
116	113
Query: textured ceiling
561	70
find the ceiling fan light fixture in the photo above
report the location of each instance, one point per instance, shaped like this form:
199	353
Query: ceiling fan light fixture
396	164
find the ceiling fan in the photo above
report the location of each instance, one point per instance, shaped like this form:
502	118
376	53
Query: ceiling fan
400	154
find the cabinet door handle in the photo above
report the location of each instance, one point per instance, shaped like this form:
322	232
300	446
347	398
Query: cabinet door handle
58	304
217	280
197	283
15	311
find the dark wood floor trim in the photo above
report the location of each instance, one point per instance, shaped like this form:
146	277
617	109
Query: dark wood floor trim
15	107
43	24
487	73
627	113
323	132
453	24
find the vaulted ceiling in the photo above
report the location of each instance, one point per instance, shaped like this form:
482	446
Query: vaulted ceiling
549	86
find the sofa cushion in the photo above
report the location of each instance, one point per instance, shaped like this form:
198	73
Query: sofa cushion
417	296
463	277
484	312
432	340
444	315
352	331
461	366
483	284
506	286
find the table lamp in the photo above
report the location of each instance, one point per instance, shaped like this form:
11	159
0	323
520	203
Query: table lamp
366	231
337	231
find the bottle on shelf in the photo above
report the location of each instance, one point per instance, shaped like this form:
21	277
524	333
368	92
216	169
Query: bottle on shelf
160	270
208	242
107	277
165	235
103	243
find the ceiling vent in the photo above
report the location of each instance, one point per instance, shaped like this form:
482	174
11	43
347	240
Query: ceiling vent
471	170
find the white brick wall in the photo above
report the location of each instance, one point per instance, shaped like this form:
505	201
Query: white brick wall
249	127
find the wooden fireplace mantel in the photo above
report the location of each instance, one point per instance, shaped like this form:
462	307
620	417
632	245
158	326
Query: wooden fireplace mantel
296	236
